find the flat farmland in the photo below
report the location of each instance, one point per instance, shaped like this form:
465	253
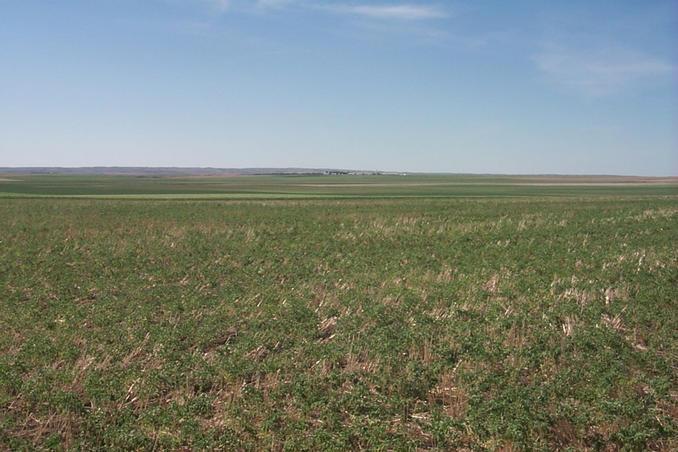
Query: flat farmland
315	186
338	313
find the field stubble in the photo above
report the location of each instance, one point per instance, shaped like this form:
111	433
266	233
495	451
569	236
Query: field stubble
389	324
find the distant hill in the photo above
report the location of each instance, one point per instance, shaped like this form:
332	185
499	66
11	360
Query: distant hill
173	171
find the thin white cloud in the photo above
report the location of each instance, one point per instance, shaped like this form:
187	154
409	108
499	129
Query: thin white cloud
602	71
397	11
402	11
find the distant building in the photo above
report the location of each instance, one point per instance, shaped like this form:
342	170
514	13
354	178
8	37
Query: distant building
334	172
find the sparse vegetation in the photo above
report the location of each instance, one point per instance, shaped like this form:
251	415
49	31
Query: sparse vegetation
383	323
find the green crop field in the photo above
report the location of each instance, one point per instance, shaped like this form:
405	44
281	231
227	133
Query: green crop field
310	186
337	313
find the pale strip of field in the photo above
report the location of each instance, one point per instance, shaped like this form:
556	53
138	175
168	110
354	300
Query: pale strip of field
2	179
187	196
247	196
521	184
637	179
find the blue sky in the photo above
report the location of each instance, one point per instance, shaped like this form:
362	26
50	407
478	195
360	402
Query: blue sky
574	87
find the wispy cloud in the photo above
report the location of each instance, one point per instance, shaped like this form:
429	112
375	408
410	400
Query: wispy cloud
601	71
413	19
401	11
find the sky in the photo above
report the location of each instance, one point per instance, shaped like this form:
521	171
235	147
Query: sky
520	87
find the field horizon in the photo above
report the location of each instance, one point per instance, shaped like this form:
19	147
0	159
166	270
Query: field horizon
211	171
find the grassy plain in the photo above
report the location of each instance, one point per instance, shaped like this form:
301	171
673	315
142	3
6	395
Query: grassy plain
454	314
